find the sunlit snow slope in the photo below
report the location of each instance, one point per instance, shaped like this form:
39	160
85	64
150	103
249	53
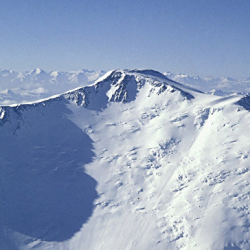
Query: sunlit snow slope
134	161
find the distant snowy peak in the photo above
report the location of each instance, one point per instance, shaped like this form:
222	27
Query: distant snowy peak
36	71
27	86
124	85
222	85
10	77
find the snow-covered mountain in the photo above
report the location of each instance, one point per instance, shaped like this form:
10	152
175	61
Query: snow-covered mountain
21	87
133	161
215	85
34	85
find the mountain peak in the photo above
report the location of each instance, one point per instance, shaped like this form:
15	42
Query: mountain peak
124	86
36	71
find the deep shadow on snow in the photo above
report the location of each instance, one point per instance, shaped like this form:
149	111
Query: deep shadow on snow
245	102
45	192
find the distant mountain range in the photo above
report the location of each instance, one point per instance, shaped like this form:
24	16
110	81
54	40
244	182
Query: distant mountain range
214	85
23	87
19	87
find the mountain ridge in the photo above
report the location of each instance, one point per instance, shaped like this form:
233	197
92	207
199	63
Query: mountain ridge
117	80
28	86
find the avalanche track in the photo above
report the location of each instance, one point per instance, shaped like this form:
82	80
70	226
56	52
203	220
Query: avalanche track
133	161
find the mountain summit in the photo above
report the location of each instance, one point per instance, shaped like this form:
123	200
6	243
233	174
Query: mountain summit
123	86
133	161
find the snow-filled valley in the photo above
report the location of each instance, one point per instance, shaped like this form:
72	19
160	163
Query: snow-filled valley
133	161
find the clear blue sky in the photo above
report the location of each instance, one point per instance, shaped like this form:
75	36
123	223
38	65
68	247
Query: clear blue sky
196	37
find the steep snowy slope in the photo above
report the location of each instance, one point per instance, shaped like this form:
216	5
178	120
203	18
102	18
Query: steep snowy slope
134	161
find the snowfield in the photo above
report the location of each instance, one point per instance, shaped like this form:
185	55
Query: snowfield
133	161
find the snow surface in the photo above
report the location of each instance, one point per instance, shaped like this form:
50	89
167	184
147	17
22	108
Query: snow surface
133	161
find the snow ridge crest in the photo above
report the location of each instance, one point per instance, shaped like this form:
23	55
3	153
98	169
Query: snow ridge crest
123	86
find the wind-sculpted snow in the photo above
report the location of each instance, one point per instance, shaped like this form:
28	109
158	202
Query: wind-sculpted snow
166	167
